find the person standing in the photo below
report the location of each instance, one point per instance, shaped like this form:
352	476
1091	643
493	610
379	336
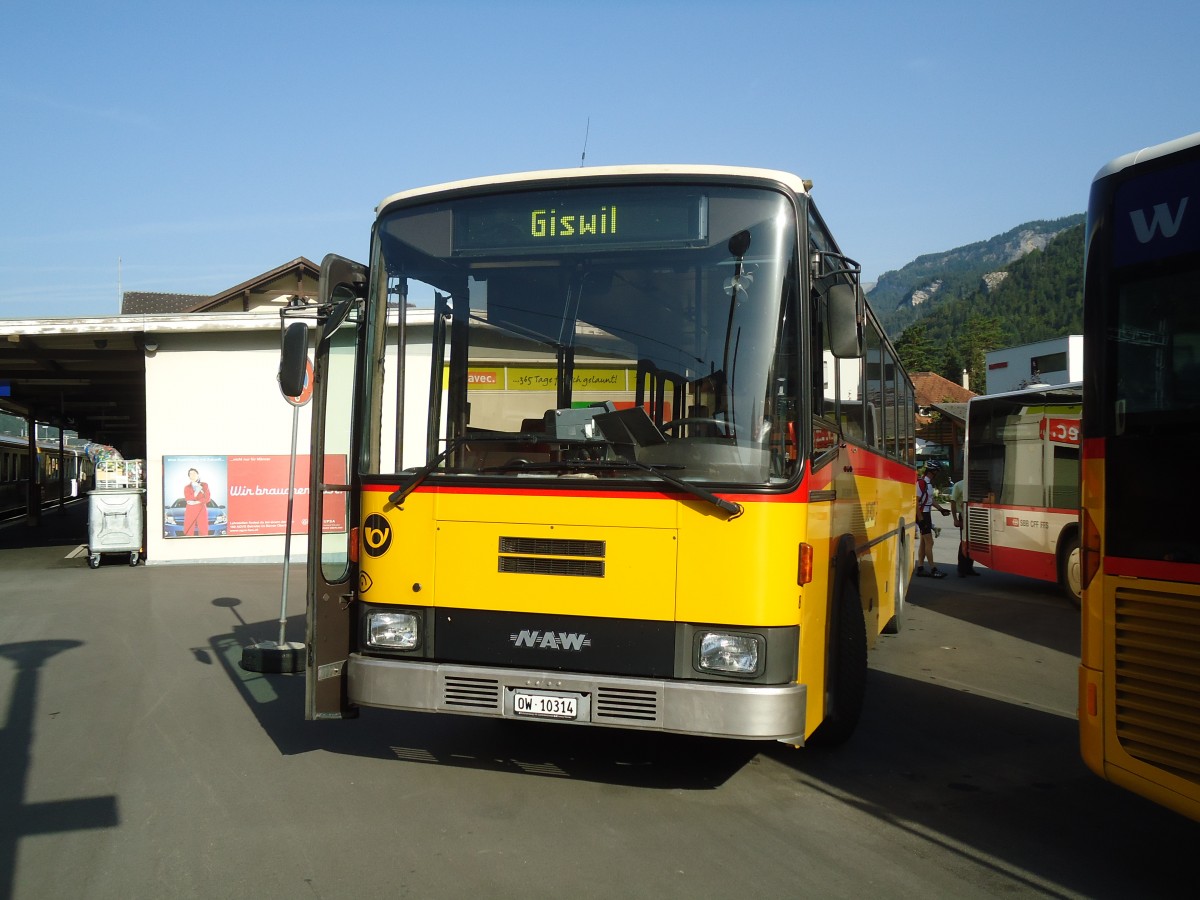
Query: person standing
197	495
926	504
966	565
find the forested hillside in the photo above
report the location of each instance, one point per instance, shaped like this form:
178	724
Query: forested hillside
1040	296
904	296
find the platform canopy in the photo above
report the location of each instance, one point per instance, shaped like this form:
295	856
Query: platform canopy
86	375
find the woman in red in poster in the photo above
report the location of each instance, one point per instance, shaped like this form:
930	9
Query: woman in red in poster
197	495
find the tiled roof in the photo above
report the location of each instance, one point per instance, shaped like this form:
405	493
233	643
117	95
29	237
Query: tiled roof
136	302
297	269
298	277
931	388
957	411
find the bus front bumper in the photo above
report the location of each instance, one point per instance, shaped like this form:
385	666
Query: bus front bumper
714	709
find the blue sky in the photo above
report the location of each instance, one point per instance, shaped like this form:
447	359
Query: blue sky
202	144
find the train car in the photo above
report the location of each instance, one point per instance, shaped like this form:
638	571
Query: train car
58	474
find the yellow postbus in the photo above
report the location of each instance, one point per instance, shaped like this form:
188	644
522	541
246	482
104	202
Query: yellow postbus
1139	678
627	448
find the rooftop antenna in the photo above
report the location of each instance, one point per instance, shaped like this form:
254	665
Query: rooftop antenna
118	285
586	132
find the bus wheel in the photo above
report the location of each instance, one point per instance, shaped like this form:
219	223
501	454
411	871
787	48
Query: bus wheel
1068	567
902	569
846	674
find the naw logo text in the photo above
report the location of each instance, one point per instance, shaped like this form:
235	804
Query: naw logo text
550	640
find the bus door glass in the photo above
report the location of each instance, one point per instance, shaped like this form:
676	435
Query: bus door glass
332	506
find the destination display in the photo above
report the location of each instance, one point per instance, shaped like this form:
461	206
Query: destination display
580	218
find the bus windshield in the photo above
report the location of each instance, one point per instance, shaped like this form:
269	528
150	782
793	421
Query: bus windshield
1153	361
593	332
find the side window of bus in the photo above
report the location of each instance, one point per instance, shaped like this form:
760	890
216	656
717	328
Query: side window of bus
874	384
837	389
839	410
910	424
852	415
824	387
824	365
892	397
1064	473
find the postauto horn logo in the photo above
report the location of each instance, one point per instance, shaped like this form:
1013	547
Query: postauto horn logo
377	535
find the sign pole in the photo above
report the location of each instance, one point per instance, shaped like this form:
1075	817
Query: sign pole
287	528
281	656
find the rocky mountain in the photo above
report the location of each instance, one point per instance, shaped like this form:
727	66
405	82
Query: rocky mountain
904	296
1036	297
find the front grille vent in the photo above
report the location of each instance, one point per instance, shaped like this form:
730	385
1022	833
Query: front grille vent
551	547
579	568
626	704
551	556
471	693
979	530
1158	679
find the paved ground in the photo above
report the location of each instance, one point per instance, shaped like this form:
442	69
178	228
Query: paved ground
139	760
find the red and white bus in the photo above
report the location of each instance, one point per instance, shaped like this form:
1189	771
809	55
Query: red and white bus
1022	490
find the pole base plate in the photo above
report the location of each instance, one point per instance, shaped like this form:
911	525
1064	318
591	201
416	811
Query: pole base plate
272	658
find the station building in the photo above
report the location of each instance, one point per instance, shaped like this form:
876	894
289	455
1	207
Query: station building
1055	361
182	382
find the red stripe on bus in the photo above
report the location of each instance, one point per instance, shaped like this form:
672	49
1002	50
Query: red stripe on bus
863	463
1030	563
1159	570
874	465
798	496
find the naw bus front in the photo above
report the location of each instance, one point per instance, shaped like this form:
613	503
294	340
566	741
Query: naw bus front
580	422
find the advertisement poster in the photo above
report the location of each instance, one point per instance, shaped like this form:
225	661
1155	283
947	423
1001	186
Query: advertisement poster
232	496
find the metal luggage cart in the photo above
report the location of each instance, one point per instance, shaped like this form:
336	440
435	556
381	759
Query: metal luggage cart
116	520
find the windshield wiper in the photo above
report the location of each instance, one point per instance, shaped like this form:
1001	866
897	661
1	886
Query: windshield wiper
419	475
733	510
567	465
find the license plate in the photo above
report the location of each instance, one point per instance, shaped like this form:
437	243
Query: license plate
545	706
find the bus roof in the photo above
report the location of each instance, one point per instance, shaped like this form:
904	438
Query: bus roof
1071	390
1148	153
793	182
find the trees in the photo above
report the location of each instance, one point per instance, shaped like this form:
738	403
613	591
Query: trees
916	350
983	333
969	347
1041	298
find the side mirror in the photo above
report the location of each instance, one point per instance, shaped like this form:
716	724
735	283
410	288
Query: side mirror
343	283
293	360
845	321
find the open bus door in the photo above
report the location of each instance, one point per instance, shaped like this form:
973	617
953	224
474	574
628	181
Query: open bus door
333	498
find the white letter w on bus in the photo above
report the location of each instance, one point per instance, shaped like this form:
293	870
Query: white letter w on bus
1162	220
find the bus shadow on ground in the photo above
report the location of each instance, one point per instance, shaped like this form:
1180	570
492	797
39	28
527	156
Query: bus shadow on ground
1023	608
545	749
1003	786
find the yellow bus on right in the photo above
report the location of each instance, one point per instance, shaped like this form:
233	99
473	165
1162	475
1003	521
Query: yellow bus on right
1139	675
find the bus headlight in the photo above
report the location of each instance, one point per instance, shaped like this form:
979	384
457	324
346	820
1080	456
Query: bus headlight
730	652
393	630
